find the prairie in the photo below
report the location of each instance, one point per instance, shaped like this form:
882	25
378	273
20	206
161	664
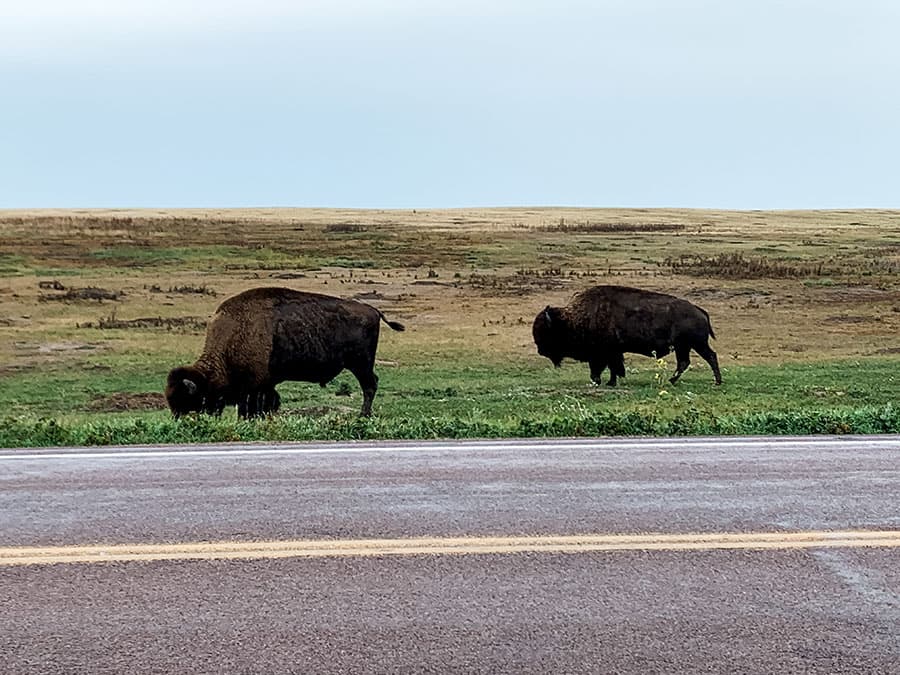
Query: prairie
97	305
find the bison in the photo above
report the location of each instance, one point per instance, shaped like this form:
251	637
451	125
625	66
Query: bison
601	323
265	336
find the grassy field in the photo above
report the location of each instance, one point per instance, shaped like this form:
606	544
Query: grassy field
96	306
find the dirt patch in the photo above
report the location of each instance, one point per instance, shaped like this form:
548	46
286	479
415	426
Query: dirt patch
520	283
857	294
128	402
594	227
288	275
377	295
710	293
74	294
887	351
851	318
15	368
187	289
429	282
344	228
62	346
738	266
370	295
30	356
188	323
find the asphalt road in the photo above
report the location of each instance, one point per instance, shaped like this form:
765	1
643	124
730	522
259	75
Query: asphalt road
712	555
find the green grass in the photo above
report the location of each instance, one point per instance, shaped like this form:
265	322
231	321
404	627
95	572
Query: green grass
154	256
471	400
12	265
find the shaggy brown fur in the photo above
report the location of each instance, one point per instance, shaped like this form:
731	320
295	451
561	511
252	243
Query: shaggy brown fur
264	336
601	323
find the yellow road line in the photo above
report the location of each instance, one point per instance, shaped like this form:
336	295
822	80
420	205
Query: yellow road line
326	548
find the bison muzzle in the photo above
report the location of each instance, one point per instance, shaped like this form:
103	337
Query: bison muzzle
265	336
601	323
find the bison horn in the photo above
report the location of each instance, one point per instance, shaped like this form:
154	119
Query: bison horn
547	313
190	385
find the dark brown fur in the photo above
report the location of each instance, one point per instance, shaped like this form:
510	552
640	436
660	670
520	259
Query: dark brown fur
265	336
601	323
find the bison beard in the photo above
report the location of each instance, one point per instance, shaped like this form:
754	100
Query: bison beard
601	323
265	336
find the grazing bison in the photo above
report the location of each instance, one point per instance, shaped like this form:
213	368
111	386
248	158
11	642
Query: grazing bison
264	336
601	323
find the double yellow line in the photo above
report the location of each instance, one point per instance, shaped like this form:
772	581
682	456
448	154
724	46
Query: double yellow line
328	548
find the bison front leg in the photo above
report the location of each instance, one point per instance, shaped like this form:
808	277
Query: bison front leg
683	355
616	365
214	405
616	368
259	404
597	367
271	402
244	406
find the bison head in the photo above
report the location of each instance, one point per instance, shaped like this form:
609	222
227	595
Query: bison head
186	391
549	334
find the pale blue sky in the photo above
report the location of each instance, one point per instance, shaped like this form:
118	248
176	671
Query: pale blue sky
398	103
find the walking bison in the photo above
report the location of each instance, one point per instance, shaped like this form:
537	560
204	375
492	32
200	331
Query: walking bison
601	323
265	336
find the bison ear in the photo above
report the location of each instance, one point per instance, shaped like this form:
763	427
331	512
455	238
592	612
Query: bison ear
190	385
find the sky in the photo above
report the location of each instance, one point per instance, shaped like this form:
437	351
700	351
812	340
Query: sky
738	104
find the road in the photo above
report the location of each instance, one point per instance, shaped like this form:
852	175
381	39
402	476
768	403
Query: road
591	555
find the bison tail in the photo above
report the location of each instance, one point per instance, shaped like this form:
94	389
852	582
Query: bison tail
709	324
394	325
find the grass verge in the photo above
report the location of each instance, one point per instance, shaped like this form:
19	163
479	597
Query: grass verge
502	400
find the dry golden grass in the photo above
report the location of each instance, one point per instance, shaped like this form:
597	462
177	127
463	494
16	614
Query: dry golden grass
462	280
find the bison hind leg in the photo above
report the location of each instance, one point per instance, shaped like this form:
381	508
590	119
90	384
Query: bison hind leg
368	381
708	355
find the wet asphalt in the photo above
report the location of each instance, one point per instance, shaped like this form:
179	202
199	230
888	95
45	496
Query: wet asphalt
810	610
